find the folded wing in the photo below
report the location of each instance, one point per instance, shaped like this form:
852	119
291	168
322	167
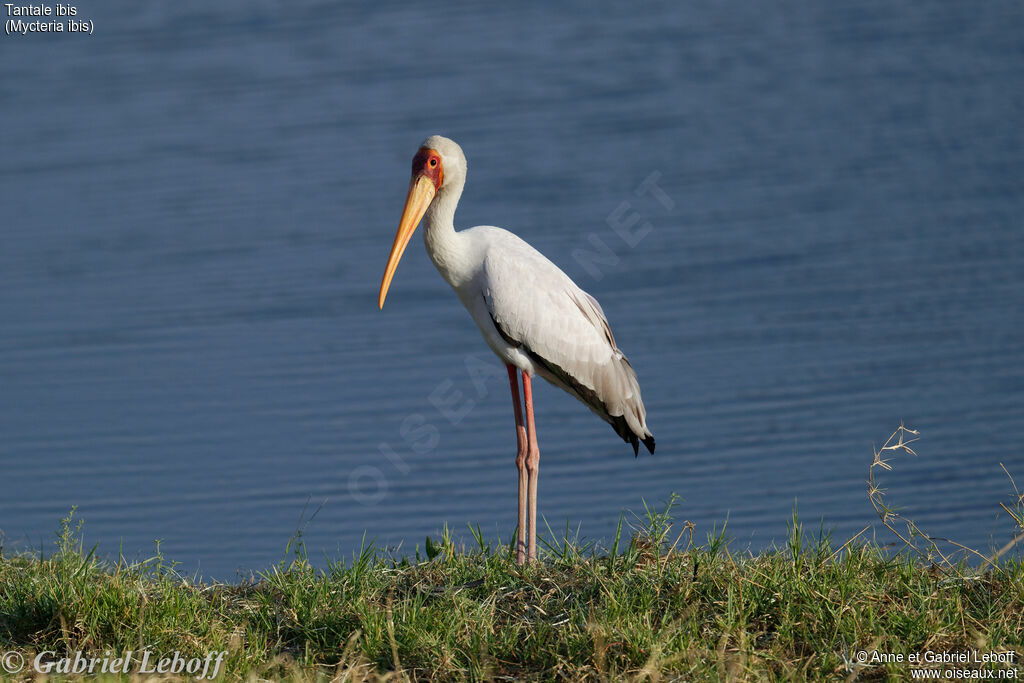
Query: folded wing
539	309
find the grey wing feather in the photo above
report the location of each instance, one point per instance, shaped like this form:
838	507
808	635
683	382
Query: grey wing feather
538	308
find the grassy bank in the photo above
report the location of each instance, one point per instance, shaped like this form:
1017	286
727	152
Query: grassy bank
657	604
660	606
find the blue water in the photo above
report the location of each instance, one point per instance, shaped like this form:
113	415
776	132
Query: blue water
198	201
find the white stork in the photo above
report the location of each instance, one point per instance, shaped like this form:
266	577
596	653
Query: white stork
531	314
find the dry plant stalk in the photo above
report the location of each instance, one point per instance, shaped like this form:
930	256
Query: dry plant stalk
900	440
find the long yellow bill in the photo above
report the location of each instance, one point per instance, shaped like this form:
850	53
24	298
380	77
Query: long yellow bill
421	193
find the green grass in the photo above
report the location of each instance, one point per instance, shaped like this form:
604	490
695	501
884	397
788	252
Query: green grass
657	604
662	606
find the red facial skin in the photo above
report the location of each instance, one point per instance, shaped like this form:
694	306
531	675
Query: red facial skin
427	162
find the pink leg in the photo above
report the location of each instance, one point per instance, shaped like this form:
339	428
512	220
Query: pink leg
513	381
532	465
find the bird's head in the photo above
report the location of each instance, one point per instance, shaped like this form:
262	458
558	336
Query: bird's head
439	164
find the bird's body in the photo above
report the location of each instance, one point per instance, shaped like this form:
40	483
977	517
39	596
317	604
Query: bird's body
530	313
533	316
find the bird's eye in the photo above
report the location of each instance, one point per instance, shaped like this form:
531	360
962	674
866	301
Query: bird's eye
433	162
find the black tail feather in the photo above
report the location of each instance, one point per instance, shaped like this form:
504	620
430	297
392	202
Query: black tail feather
632	439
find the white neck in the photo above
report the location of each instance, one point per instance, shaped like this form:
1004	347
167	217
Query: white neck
446	247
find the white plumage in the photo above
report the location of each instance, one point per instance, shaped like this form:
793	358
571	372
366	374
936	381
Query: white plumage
535	317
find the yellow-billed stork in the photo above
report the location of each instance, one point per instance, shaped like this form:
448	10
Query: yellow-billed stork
531	314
